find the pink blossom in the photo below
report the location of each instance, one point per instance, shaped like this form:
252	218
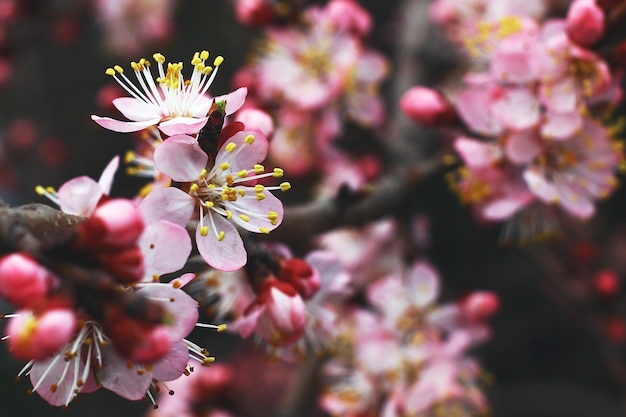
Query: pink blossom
349	16
223	194
585	22
23	281
173	104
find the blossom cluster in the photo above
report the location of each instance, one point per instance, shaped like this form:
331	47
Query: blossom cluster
535	116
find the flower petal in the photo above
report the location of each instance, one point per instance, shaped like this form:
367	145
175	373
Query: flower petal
234	100
183	309
122	126
180	158
107	176
561	126
135	109
517	108
523	146
127	380
165	247
228	254
183	125
167	204
245	155
422	284
172	365
45	374
79	196
257	212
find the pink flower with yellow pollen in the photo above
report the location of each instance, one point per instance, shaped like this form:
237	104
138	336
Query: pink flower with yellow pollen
224	194
175	104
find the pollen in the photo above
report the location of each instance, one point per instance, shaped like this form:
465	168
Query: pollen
284	186
204	230
278	172
218	61
224	166
249	139
221	235
264	230
221	327
244	217
259	169
230	147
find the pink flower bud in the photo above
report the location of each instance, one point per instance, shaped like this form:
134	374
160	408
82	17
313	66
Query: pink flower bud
606	282
114	225
255	119
301	277
282	322
427	106
585	22
23	281
348	15
480	306
254	13
125	265
35	337
136	340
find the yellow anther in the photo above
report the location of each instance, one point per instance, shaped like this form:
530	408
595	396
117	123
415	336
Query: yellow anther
50	190
196	60
119	69
278	172
230	147
208	361
221	235
258	169
243	173
244	217
230	180
155	278
259	188
229	214
145	190
204	230
110	71
40	190
209	204
218	60
202	174
284	186
224	166
129	157
159	58
264	230
193	188
204	55
222	327
242	192
207	70
260	196
249	139
272	215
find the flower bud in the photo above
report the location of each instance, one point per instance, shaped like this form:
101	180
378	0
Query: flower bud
255	119
427	107
136	340
254	13
125	265
282	322
23	281
348	15
35	337
585	22
480	306
606	282
114	225
300	276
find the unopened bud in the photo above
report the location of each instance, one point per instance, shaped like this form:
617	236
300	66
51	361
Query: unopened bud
255	119
254	13
23	281
427	107
300	276
35	337
348	15
585	22
480	306
606	282
125	265
114	225
135	339
283	319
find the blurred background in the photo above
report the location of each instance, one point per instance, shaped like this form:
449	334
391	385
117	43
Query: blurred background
549	355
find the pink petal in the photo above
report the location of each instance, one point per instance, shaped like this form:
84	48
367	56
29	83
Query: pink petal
183	280
180	158
245	156
477	154
116	376
539	186
422	284
228	254
234	100
165	247
474	106
523	146
246	325
504	208
172	365
250	204
183	125
135	109
167	204
561	126
48	372
124	127
107	176
517	109
560	96
79	196
182	309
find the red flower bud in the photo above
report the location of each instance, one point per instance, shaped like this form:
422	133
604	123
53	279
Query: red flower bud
585	22
23	281
300	276
480	305
427	107
606	282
